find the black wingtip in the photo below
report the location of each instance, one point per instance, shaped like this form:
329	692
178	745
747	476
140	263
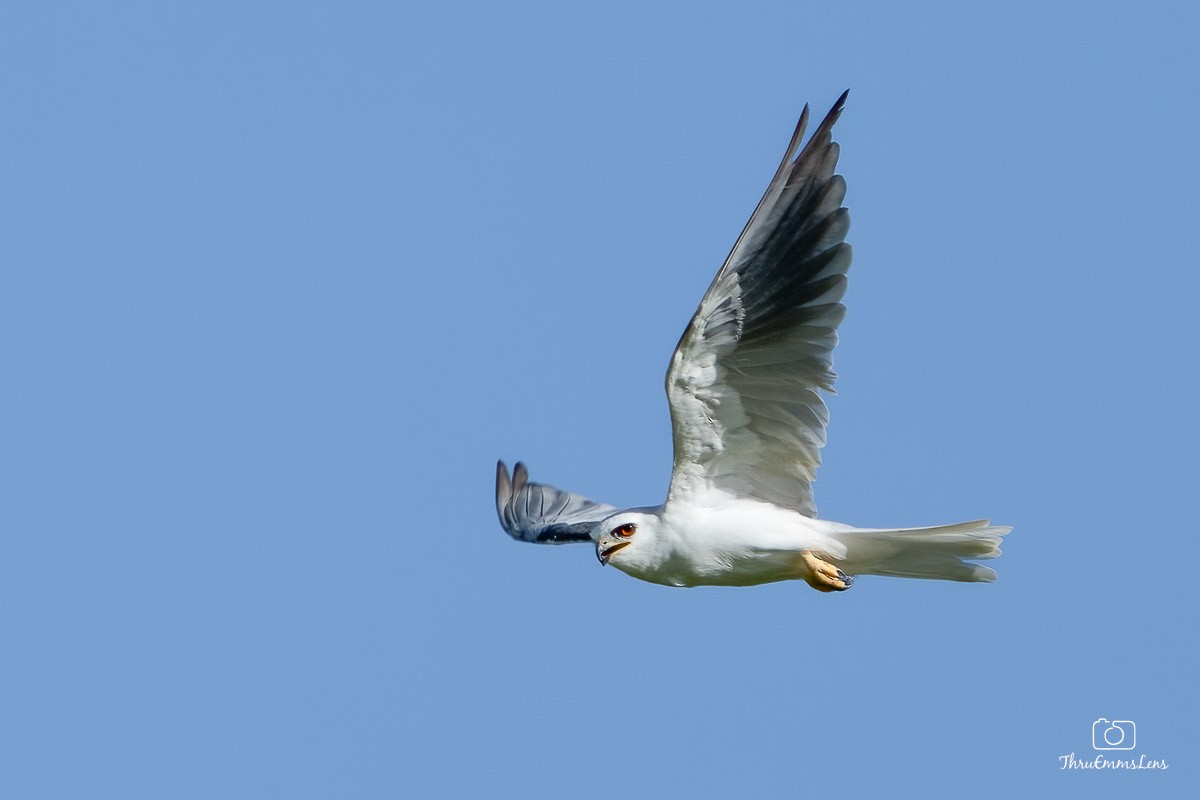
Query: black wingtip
503	490
520	477
823	135
798	133
834	112
502	475
794	151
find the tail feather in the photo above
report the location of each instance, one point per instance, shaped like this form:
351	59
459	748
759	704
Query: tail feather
936	553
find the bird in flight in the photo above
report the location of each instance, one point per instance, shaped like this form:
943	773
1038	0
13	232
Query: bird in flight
748	422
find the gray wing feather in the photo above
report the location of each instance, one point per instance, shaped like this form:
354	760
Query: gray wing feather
744	381
536	512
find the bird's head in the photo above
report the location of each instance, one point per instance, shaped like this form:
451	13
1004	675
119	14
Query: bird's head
625	536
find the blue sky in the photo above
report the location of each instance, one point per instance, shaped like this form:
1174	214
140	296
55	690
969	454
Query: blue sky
280	285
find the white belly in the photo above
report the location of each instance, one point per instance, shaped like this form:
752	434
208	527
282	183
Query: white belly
733	542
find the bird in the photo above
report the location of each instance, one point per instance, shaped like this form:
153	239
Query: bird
748	420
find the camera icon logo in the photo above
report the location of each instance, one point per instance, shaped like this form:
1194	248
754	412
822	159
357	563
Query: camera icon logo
1116	734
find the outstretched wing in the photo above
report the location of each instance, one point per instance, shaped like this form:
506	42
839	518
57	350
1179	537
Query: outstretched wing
743	382
535	512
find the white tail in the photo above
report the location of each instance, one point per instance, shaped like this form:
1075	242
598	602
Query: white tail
936	553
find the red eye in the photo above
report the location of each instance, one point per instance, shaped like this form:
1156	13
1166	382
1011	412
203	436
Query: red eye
626	530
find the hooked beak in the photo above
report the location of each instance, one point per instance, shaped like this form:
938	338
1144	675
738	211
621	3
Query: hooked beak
606	547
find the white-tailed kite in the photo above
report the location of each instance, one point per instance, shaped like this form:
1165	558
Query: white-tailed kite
748	422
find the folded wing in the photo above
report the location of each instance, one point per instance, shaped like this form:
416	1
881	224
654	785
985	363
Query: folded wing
744	381
536	512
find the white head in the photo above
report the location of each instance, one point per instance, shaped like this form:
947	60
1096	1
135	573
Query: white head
628	540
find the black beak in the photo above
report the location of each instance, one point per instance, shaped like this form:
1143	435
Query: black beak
603	554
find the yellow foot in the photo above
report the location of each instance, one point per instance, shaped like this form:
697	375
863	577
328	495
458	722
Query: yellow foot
822	575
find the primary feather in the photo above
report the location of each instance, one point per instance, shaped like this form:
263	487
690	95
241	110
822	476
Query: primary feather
744	381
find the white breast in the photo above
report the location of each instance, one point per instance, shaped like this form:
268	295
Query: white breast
723	540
